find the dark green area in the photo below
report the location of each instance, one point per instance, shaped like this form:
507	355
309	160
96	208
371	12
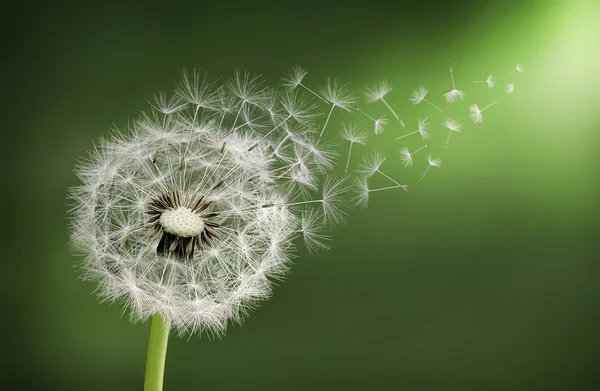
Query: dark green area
483	276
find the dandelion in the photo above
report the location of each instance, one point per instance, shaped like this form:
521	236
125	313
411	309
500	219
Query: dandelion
352	133
452	95
518	68
422	130
475	112
372	164
432	163
379	123
490	81
510	88
419	95
188	215
453	126
406	157
378	93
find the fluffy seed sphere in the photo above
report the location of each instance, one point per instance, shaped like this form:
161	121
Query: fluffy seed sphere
192	211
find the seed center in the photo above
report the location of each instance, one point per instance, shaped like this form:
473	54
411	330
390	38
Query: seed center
182	222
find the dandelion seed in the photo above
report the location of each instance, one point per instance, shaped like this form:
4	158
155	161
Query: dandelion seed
371	164
378	93
510	88
453	126
406	157
490	81
379	123
354	134
422	130
338	96
432	163
362	192
312	230
452	95
476	114
518	68
294	79
419	95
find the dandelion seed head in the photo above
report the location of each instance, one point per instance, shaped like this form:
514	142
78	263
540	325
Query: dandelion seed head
510	88
191	211
491	82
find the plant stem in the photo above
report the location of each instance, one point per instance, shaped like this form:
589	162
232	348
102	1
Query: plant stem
157	352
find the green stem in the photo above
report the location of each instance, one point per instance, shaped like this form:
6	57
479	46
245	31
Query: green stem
157	353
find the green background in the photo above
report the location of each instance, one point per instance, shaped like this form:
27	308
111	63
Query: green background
483	276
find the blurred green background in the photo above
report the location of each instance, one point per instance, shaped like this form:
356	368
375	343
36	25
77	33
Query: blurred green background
483	276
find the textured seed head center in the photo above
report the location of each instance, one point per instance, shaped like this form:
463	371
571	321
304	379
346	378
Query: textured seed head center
182	222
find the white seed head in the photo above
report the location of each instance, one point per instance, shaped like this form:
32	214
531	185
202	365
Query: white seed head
491	82
510	88
192	211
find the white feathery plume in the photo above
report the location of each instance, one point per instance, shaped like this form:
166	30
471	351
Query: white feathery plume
518	68
378	93
363	191
510	88
379	123
452	95
372	164
312	230
437	162
353	133
406	157
294	80
422	130
337	95
453	126
419	95
476	114
490	81
193	210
